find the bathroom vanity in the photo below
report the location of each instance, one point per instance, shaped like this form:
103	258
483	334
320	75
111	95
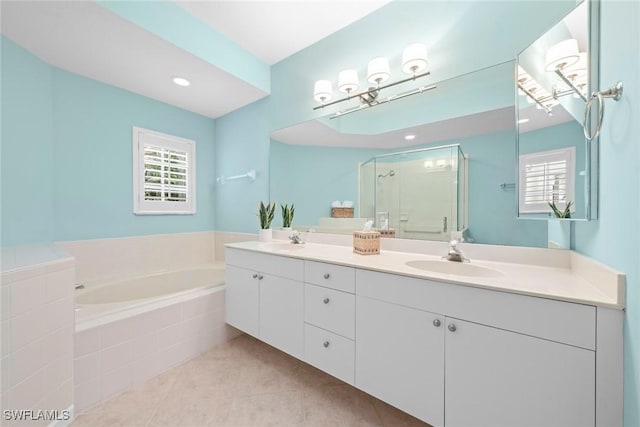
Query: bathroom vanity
453	344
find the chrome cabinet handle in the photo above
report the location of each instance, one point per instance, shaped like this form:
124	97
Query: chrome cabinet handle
255	276
326	300
436	323
260	277
327	275
326	344
452	327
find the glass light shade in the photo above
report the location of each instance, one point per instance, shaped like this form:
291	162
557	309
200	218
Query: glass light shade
322	91
378	70
348	81
562	55
414	59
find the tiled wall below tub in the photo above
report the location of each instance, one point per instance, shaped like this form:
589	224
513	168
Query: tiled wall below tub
37	326
104	258
117	356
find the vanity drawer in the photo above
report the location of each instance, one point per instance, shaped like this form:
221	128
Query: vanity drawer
330	275
279	266
564	322
330	309
330	353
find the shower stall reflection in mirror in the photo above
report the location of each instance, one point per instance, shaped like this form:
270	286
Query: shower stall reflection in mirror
422	194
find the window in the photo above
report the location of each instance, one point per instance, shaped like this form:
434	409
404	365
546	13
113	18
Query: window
163	174
547	176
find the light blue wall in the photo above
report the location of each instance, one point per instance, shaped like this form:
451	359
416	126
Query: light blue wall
242	143
312	177
67	156
93	160
614	238
455	50
27	147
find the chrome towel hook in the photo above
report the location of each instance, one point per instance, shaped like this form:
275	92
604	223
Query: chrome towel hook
614	92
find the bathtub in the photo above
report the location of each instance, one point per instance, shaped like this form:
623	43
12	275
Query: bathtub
105	301
131	329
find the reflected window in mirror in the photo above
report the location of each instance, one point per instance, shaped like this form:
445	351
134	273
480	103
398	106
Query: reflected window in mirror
547	177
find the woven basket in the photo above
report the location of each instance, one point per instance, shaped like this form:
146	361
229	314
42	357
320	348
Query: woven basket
388	233
366	242
341	212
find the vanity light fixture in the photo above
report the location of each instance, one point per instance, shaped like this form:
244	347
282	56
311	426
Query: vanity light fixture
181	81
409	137
570	66
414	63
534	91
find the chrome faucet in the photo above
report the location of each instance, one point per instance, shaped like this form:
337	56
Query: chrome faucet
295	237
455	254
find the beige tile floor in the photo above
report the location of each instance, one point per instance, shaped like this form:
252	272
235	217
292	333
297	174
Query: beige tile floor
244	383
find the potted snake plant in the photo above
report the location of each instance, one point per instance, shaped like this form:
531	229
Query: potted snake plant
287	216
265	214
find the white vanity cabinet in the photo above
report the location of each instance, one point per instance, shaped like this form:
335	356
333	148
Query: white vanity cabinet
242	299
400	357
497	378
329	315
514	361
450	354
264	298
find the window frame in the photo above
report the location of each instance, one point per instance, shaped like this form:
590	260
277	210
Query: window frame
569	155
172	142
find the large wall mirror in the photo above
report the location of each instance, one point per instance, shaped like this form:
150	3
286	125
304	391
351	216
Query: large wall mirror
318	162
555	76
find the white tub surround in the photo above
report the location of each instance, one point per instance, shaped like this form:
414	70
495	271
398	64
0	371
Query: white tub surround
120	354
537	341
99	259
37	334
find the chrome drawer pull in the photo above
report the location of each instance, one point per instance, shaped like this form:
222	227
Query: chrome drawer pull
327	275
326	344
326	300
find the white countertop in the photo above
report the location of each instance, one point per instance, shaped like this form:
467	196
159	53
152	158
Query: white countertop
585	281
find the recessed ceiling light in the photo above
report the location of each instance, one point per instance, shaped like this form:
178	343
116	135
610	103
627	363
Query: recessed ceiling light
180	81
523	121
409	137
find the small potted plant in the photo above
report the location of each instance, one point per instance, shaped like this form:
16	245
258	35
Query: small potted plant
561	214
287	216
266	213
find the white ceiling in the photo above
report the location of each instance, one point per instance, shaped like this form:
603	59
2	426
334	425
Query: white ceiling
84	38
314	132
274	30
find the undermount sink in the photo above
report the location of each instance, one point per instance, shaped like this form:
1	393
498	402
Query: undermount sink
455	268
283	246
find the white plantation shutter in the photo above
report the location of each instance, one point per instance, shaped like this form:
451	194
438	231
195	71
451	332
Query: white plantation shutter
164	173
547	176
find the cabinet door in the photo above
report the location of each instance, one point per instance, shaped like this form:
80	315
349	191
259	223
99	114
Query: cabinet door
400	357
242	299
499	378
281	314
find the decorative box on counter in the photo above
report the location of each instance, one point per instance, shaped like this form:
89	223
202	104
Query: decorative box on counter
341	212
366	242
